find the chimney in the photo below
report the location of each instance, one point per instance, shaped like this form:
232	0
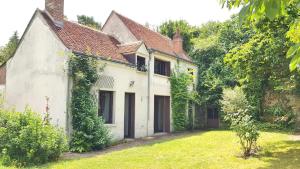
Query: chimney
178	42
56	10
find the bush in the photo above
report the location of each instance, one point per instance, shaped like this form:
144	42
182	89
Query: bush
247	132
284	117
235	104
26	140
237	112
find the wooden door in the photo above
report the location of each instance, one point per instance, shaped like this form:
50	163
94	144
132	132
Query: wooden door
129	115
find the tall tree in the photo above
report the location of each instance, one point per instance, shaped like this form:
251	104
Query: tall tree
187	31
88	21
9	49
254	10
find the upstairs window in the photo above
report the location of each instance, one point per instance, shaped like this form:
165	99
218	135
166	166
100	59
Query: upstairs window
141	64
161	67
105	108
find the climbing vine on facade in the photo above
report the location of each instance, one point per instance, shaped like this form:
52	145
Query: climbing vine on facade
89	131
180	94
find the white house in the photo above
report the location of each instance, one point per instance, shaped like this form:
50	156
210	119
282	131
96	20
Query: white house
134	89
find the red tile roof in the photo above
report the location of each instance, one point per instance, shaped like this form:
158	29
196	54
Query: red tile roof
84	40
129	47
151	38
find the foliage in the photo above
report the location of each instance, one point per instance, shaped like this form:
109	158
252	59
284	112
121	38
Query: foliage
88	21
25	139
260	63
247	132
180	82
253	10
237	112
10	48
213	74
235	104
187	31
285	118
89	131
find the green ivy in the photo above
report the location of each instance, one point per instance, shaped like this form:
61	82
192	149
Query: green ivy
89	131
180	81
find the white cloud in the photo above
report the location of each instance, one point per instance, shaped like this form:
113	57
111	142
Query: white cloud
15	14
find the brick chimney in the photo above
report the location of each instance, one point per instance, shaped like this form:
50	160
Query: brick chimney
56	9
178	42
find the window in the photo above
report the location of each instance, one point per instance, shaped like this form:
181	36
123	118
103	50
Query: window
105	108
141	64
161	67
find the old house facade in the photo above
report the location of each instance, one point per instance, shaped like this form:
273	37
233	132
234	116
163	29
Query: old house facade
133	91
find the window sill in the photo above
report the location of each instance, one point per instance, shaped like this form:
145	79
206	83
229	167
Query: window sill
164	76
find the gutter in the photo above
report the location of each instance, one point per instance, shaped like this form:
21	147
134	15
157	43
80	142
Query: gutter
148	89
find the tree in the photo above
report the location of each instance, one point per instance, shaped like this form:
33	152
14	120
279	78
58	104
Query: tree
253	10
187	31
260	64
88	21
9	49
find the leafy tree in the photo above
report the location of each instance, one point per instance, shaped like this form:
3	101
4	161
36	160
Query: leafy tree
254	10
88	21
9	49
260	63
187	31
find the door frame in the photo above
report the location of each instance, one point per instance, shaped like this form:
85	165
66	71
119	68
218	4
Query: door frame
131	114
166	113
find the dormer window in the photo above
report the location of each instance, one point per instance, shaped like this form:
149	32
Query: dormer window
141	64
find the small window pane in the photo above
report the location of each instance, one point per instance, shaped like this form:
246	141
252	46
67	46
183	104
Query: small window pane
106	105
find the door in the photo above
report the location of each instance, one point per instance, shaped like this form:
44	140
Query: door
129	115
212	117
161	114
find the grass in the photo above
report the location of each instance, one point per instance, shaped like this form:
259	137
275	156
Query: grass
212	149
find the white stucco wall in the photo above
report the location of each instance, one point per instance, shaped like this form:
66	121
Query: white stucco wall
37	70
115	27
123	75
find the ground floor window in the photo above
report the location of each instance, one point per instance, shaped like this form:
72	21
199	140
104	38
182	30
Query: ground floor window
105	106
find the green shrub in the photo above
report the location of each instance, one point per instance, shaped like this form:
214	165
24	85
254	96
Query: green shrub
237	112
234	104
26	140
284	117
89	131
247	132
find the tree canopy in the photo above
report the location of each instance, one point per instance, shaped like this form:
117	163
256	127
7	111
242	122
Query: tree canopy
9	49
88	21
254	10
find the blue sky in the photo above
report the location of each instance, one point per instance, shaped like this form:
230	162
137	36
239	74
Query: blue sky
15	14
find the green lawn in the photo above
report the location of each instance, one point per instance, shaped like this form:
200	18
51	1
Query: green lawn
212	149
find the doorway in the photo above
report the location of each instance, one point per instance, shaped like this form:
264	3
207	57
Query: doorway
212	117
161	114
129	115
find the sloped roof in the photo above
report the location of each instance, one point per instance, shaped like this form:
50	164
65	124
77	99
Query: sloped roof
129	47
85	40
151	38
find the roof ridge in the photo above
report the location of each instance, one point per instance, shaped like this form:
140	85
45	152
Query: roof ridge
87	27
130	43
166	37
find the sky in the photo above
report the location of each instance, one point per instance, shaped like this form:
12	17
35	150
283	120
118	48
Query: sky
15	14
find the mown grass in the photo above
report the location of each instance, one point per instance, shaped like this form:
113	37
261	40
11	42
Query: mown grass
212	149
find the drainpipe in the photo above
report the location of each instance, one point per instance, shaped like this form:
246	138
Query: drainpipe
148	95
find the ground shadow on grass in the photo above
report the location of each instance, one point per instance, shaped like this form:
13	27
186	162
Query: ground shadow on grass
284	155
